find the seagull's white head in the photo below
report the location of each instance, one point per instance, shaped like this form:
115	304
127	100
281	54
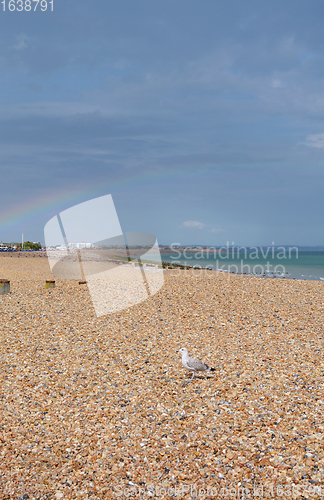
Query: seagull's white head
183	350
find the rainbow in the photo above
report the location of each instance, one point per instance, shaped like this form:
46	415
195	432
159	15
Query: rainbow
33	211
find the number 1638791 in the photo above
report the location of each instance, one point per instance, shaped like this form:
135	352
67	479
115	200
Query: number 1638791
26	5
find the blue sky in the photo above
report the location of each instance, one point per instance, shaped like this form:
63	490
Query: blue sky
204	120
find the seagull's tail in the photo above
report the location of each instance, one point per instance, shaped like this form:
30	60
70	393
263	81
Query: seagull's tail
210	369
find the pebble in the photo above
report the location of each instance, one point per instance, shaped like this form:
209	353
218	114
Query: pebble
91	406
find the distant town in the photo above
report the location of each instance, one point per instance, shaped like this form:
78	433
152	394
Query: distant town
37	246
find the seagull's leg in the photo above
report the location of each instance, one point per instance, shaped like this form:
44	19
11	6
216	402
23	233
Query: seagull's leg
193	376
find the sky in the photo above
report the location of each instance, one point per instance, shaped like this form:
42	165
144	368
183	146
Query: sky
203	120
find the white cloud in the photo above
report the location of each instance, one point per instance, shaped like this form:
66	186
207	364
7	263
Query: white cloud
276	84
315	141
216	230
194	224
20	45
21	42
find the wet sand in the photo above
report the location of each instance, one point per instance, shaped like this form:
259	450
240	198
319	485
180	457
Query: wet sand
102	408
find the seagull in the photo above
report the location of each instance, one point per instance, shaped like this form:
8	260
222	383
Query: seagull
194	364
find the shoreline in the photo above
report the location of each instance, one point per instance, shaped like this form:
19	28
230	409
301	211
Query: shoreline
117	259
270	275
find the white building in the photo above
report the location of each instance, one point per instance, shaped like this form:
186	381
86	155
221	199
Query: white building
80	245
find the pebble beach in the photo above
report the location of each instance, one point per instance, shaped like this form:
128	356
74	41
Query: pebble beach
102	408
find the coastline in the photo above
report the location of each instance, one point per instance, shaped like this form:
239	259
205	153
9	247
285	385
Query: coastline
223	264
304	265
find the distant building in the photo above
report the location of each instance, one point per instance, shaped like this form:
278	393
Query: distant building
60	247
80	245
74	246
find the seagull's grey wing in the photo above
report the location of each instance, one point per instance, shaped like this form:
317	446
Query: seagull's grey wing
195	364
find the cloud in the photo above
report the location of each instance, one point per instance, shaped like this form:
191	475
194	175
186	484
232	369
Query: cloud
48	109
20	45
194	224
21	42
315	141
276	84
131	90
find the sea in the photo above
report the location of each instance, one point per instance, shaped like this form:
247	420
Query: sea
280	262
